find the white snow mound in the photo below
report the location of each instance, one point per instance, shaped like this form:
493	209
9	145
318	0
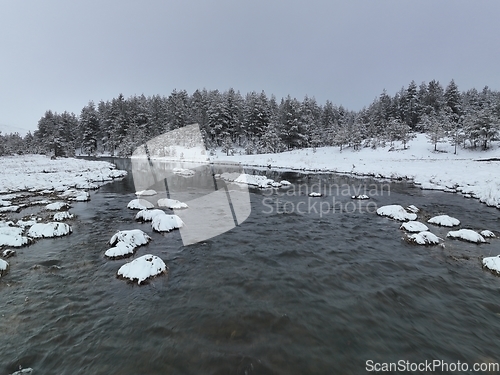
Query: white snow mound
148	215
492	263
315	195
49	230
56	206
144	193
166	223
171	203
362	196
412	208
121	249
139	204
12	236
3	266
61	216
133	237
183	172
487	234
253	180
142	268
444	220
414	226
466	235
396	212
424	238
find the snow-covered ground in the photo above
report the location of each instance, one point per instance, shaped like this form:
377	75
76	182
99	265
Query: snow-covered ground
442	170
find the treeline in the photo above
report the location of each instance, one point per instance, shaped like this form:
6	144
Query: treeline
260	124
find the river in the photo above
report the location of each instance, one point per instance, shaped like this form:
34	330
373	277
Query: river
287	291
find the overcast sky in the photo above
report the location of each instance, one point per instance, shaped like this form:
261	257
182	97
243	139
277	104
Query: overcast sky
58	54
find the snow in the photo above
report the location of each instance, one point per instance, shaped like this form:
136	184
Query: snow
414	226
361	197
48	230
12	236
56	206
285	183
437	170
171	203
26	223
492	263
487	234
315	195
412	208
61	216
75	195
444	221
41	173
8	253
254	180
139	204
183	172
466	235
133	237
121	249
396	212
144	193
424	238
3	266
148	215
10	209
166	223
142	268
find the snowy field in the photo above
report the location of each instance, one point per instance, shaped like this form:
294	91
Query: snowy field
442	170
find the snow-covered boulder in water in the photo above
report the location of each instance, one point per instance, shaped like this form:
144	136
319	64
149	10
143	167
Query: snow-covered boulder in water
414	227
412	208
144	193
4	266
171	203
361	197
64	215
493	264
444	221
396	212
57	206
133	237
315	195
142	268
467	235
139	204
12	236
424	238
487	234
120	250
49	230
166	223
148	215
183	172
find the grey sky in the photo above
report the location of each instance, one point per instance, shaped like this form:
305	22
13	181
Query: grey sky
59	54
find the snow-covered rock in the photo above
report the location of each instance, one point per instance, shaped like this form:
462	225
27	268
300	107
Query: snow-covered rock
75	195
48	230
487	234
413	209
396	212
121	249
10	209
64	215
26	223
12	236
24	371
57	206
8	253
492	263
247	179
148	215
183	172
414	226
139	204
285	183
133	237
142	268
171	203
466	235
362	197
4	266
166	223
144	193
444	221
424	238
315	195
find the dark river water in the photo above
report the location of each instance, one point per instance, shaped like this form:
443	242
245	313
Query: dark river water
285	292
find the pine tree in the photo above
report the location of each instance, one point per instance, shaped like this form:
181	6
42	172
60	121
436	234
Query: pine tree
89	128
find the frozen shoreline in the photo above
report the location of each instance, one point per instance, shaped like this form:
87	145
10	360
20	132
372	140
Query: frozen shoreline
469	172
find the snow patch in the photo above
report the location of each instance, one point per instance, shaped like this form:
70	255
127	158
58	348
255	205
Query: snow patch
4	266
61	216
57	206
12	236
492	263
142	268
133	237
139	204
166	223
144	193
396	212
414	226
487	234
315	195
413	209
148	215
361	197
121	249
171	203
444	221
183	172
424	238
466	235
49	230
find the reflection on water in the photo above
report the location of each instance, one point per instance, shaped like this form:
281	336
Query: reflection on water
283	293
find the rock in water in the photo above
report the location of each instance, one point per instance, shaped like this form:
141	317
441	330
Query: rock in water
142	268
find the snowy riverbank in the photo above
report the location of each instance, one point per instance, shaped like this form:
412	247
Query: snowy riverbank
442	170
